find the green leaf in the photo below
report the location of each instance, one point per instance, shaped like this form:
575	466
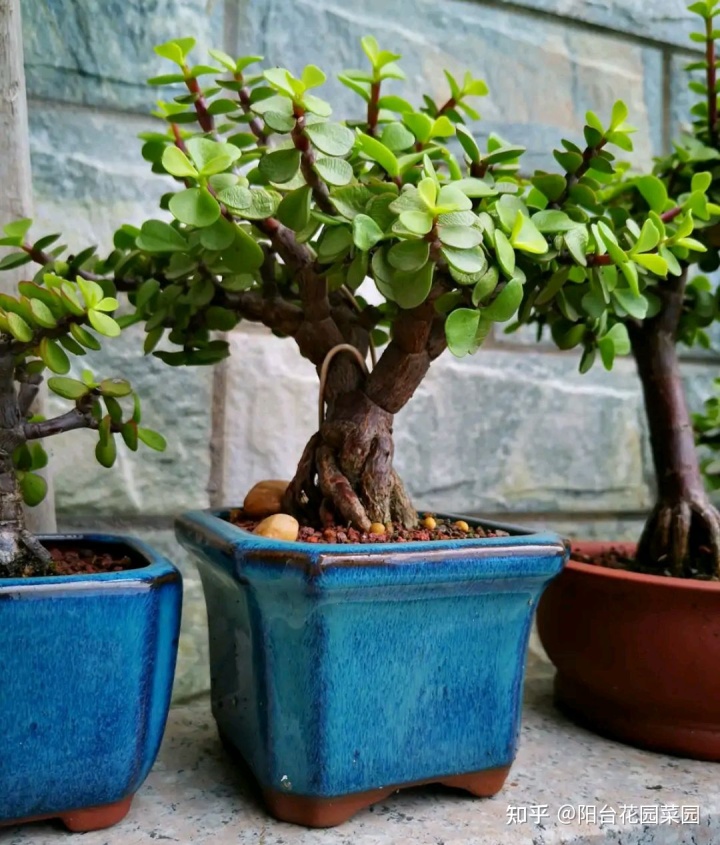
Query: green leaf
17	229
219	319
84	337
15	259
68	388
106	450
152	439
654	263
409	256
103	324
505	253
220	235
551	222
54	356
619	114
175	50
649	238
397	138
412	289
33	488
334	244
653	192
294	210
129	435
194	206
19	329
417	222
280	166
42	314
378	152
636	306
461	328
91	291
366	232
312	77
576	241
460	237
333	139
506	303
615	342
116	387
177	163
526	237
335	171
466	261
158	236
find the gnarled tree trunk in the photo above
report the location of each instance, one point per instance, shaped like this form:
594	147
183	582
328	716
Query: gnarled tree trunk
682	535
346	472
21	555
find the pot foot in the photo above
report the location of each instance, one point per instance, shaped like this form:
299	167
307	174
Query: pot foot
330	812
82	821
96	818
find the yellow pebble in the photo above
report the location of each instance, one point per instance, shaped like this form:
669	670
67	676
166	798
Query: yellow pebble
279	526
429	523
377	528
462	525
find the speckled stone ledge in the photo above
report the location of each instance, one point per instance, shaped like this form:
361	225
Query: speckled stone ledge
196	795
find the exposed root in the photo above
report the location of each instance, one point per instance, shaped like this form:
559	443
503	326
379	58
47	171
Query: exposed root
23	556
682	538
346	472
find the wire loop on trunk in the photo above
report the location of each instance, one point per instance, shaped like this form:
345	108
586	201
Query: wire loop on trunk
341	347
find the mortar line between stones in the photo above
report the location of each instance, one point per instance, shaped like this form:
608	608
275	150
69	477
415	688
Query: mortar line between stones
518	7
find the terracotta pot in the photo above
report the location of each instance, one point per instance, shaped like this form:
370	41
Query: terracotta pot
341	673
637	656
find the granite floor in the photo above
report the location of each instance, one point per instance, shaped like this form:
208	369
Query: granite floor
567	786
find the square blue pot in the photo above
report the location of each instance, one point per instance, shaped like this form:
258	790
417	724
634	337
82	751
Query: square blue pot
341	672
88	664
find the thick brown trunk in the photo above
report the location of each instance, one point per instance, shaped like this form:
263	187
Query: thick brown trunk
682	535
346	473
21	555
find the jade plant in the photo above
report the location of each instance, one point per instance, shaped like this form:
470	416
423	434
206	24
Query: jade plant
280	211
642	291
47	322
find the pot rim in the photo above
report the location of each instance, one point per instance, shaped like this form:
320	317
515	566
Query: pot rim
157	566
520	539
667	582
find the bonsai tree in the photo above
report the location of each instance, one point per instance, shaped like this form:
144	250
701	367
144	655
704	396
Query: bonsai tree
637	292
50	320
281	211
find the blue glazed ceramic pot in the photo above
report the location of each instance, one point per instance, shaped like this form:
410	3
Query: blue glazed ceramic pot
88	664
342	672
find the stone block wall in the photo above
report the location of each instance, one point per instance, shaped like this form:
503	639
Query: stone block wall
514	432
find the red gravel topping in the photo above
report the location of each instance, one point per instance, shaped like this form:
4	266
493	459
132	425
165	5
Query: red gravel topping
444	530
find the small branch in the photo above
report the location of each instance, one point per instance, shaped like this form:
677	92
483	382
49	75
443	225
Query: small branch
256	125
29	389
671	214
307	161
571	179
205	119
446	107
373	109
70	421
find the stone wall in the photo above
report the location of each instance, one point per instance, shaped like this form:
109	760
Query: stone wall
514	432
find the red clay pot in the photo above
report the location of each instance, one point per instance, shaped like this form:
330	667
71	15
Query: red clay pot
637	656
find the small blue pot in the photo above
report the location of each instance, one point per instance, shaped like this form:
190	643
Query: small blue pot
342	672
88	664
